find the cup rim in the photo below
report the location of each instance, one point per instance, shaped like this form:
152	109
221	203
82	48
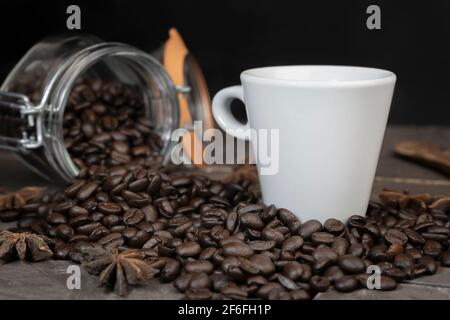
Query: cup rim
259	75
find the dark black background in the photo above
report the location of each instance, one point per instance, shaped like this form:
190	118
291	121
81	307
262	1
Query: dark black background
230	36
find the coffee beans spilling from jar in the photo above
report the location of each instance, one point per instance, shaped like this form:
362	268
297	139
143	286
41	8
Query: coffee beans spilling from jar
212	238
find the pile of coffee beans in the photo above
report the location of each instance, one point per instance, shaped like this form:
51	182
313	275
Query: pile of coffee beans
216	239
211	238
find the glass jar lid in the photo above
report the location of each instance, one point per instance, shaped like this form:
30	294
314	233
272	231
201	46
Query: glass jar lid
193	97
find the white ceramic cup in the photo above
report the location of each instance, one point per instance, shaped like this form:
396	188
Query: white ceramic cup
331	122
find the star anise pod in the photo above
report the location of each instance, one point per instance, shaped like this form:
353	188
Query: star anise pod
117	269
16	200
24	246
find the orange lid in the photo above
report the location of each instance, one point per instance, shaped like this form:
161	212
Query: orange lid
194	101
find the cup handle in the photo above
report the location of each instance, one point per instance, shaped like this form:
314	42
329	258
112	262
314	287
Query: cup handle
221	108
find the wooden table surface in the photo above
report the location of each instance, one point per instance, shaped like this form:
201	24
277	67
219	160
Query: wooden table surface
47	280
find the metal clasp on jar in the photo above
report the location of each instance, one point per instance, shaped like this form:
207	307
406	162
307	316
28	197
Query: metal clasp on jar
20	122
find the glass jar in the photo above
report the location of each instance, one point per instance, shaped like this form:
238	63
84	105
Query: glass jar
34	96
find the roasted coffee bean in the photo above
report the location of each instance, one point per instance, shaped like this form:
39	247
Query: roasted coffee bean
428	263
320	284
273	235
378	253
351	264
395	273
358	250
119	228
165	208
423	225
188	249
334	226
251	208
138	185
434	236
346	284
269	213
300	295
218	233
387	283
322	238
333	273
404	261
293	243
65	232
287	283
112	240
320	265
198	294
182	282
219	281
172	269
237	249
357	221
324	254
263	263
74	188
79	221
99	233
395	249
438	230
87	229
199	266
61	251
232	291
396	236
256	280
432	248
90	205
252	220
79	237
56	218
309	227
445	259
260	245
293	270
340	246
86	190
248	266
133	216
266	289
416	254
289	220
76	211
232	221
200	280
25	222
109	208
111	220
150	213
213	217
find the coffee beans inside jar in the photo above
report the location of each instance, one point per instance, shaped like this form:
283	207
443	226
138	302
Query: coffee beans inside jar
106	123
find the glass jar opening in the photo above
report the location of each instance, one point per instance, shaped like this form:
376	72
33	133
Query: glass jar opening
111	104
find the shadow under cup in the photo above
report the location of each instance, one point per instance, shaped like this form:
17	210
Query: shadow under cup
325	126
